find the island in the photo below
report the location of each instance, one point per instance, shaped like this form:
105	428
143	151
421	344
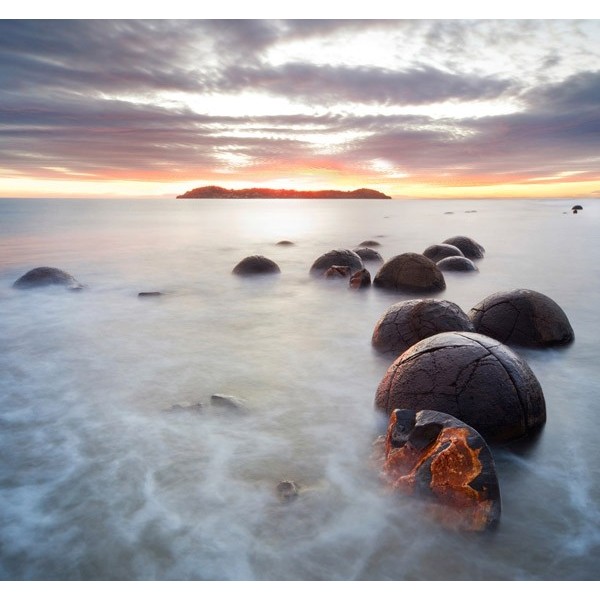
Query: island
214	191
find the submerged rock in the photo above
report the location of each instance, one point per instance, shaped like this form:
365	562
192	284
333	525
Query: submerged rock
410	272
185	408
577	207
284	243
232	403
256	265
438	251
405	323
287	490
456	263
149	294
368	254
468	246
345	258
44	276
367	243
471	377
522	317
447	463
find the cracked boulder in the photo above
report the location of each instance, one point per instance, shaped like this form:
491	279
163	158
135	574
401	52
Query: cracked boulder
361	279
45	276
256	265
470	376
337	272
522	317
456	263
405	323
343	258
438	251
445	463
468	246
410	272
368	254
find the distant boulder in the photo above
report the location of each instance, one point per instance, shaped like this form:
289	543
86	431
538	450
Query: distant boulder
287	490
369	255
447	464
361	279
437	252
456	263
44	276
284	243
405	323
368	243
577	207
344	257
229	403
471	377
256	265
410	272
522	317
468	246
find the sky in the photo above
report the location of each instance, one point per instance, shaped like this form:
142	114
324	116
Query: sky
415	108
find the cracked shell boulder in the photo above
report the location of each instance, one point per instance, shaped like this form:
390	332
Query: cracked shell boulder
468	246
522	317
437	252
405	323
256	265
44	276
470	376
341	258
410	272
445	463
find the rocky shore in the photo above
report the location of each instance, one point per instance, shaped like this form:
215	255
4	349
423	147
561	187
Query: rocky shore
214	191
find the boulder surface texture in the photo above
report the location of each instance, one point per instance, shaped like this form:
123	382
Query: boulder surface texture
43	276
256	265
342	258
410	272
471	377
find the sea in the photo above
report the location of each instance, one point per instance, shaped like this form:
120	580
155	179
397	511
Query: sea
99	480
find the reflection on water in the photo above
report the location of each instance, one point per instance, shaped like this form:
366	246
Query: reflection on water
97	481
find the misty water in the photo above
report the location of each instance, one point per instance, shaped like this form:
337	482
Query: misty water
98	481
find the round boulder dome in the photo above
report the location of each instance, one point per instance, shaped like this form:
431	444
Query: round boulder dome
522	317
468	246
410	272
368	254
406	323
471	377
340	258
370	243
446	463
438	251
256	265
456	263
43	276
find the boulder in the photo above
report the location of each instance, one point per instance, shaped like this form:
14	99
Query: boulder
361	279
287	490
522	317
150	294
368	254
347	258
410	272
232	403
405	323
284	243
337	272
256	265
471	377
369	243
44	276
456	263
468	246
447	464
438	251
577	207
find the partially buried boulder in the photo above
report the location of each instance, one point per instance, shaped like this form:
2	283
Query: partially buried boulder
410	272
256	265
347	258
361	279
471	377
468	246
522	317
456	263
438	251
367	243
368	254
405	323
445	462
337	272
44	276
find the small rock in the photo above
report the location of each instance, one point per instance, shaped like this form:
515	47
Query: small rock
361	279
287	491
284	243
149	294
228	402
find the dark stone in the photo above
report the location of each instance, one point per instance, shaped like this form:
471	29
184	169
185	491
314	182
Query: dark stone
410	272
361	279
256	265
368	254
522	317
287	490
468	246
406	323
575	211
232	403
149	294
471	377
369	243
447	463
43	276
438	251
456	263
337	272
284	243
577	207
347	258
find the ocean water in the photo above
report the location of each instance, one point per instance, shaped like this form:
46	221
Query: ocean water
99	482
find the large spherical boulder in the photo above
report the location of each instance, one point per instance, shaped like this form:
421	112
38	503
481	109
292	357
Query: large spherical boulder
456	263
405	323
347	258
445	462
410	272
471	377
256	265
468	246
438	251
522	317
44	276
368	254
